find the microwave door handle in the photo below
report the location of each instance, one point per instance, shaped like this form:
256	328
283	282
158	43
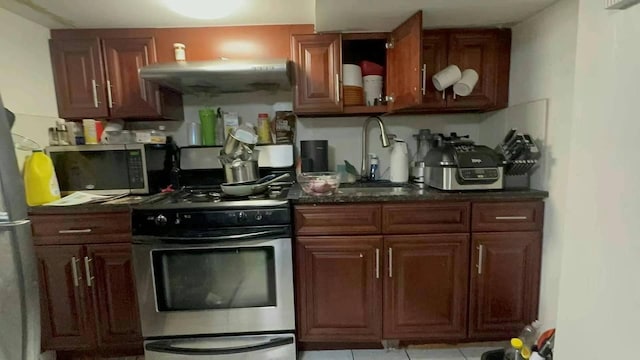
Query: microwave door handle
167	348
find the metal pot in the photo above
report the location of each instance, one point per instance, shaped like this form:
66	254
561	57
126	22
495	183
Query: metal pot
252	188
235	148
241	171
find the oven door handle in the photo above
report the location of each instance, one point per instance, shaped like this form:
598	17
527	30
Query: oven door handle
165	346
184	240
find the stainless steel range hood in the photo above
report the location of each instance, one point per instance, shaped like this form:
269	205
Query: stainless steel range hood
222	76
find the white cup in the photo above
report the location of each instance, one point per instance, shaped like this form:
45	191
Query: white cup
464	87
351	75
446	77
372	88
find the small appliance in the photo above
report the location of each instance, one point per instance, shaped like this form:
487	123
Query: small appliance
314	155
459	164
97	169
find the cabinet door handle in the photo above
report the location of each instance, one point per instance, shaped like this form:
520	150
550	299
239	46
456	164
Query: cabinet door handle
80	231
94	91
338	88
87	270
74	271
377	263
390	262
109	95
424	79
511	218
480	258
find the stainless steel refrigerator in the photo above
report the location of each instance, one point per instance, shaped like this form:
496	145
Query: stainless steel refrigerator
19	300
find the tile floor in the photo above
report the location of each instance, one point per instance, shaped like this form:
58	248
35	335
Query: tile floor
462	353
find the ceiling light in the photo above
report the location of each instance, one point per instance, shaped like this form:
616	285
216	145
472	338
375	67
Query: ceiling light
204	9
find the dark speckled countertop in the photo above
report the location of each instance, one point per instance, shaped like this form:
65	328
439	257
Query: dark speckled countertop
352	195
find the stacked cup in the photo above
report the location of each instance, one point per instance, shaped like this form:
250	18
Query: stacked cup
352	84
372	88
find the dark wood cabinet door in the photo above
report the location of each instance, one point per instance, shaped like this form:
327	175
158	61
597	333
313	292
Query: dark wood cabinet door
318	63
487	52
404	64
65	319
505	280
79	79
338	288
426	287
127	94
114	296
434	58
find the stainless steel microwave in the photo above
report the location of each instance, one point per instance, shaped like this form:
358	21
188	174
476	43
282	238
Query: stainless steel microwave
113	169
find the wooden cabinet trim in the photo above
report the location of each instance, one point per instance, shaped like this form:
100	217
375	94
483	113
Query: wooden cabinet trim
338	219
404	64
426	217
507	216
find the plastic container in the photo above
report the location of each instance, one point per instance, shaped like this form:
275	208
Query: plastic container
374	167
159	136
514	352
90	131
179	51
40	181
528	336
208	120
351	75
319	183
264	129
399	162
371	68
195	138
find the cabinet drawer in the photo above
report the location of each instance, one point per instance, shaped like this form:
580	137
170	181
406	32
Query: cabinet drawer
337	219
80	225
425	218
507	216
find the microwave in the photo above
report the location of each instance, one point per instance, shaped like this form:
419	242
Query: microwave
113	169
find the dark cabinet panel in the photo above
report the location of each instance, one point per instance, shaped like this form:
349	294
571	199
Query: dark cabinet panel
318	72
508	216
434	57
127	94
404	64
338	219
425	218
338	288
426	286
78	77
65	318
505	279
114	296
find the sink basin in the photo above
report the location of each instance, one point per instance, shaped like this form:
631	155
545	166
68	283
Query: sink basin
381	191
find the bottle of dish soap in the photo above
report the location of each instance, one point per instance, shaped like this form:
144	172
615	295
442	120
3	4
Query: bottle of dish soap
374	167
40	181
399	162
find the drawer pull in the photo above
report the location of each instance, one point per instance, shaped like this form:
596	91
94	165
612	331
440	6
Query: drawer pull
377	263
80	231
511	218
74	271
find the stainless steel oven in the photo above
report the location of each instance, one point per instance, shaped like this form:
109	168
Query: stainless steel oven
234	283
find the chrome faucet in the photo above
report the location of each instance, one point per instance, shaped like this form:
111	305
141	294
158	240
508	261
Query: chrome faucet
365	143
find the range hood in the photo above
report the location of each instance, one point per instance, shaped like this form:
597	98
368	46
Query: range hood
222	76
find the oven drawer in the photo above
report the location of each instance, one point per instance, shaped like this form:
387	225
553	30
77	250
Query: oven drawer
507	216
254	347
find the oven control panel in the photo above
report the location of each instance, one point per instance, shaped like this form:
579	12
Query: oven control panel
157	222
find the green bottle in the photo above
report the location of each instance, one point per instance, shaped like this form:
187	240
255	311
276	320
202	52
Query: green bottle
208	120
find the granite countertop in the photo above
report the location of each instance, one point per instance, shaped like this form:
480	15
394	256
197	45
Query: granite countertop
118	205
353	195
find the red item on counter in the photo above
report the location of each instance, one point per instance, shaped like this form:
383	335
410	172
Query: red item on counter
99	130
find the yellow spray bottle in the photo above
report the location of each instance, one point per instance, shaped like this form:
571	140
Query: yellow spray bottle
40	181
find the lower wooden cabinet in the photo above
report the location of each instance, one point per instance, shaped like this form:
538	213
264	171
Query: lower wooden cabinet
338	288
504	283
426	286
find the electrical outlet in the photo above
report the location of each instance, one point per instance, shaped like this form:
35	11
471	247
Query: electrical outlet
620	4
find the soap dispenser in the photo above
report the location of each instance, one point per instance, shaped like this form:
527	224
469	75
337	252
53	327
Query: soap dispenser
374	167
399	162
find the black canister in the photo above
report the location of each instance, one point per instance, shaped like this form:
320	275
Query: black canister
314	155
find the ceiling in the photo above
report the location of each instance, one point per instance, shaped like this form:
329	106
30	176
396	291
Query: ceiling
327	15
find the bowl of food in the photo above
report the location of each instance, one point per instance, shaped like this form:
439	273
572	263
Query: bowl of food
319	183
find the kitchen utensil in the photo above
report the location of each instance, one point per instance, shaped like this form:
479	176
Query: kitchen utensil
251	188
351	75
468	81
241	171
418	173
234	147
319	183
446	77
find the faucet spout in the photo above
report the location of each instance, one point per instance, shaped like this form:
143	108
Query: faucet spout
384	137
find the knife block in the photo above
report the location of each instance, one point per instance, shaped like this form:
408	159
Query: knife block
514	182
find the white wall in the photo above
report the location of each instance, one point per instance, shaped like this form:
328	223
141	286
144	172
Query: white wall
26	78
542	67
599	300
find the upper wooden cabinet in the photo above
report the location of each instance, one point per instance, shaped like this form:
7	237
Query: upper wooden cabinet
99	79
318	73
319	59
434	58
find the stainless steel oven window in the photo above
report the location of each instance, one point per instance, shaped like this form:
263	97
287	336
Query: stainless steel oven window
205	279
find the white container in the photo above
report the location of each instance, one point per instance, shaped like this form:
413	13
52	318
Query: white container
464	87
90	131
351	75
372	88
399	162
194	134
447	77
231	122
180	52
